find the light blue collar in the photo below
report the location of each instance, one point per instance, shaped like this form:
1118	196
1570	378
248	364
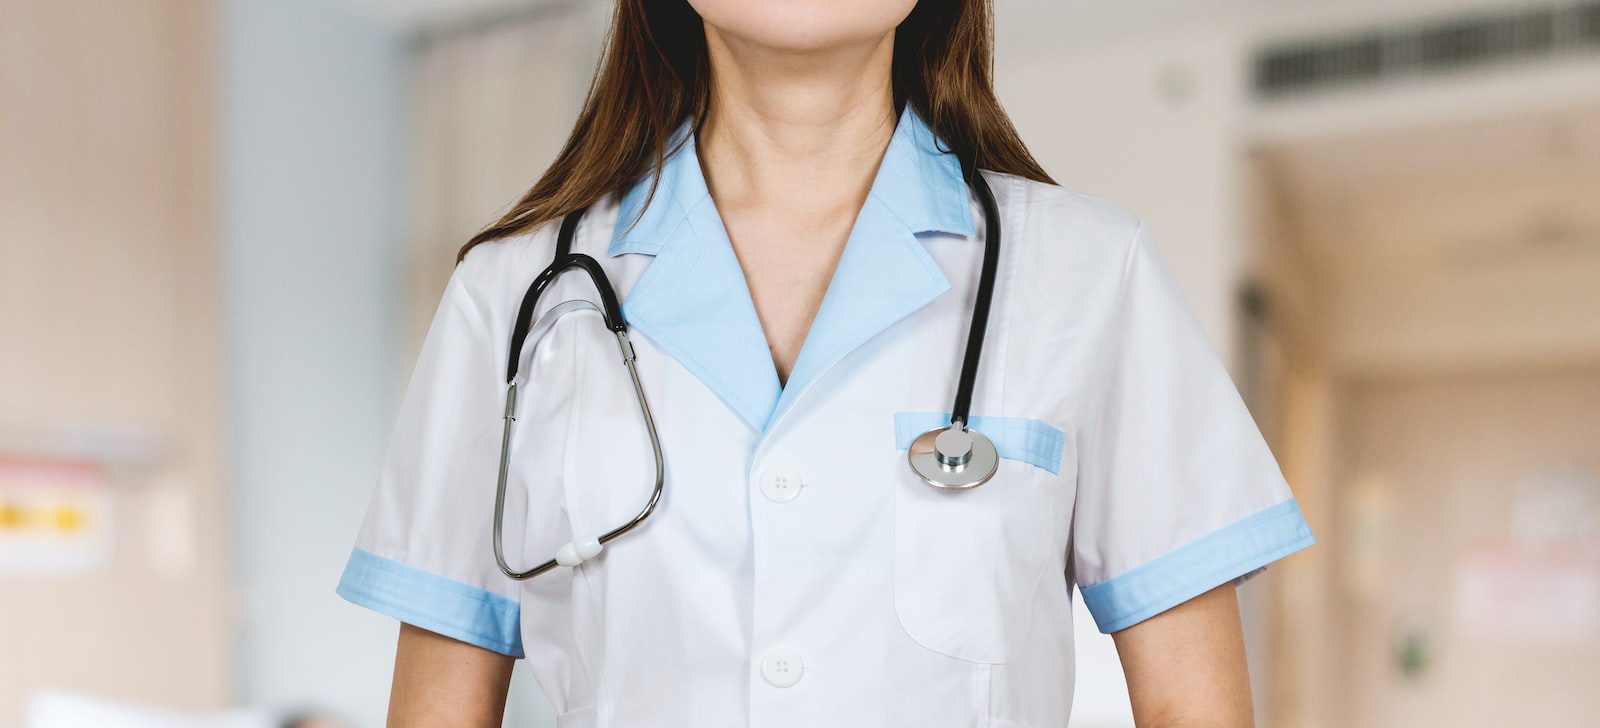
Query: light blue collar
693	300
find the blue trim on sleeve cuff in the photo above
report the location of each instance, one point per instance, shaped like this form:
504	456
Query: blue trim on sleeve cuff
1234	551
1035	442
443	606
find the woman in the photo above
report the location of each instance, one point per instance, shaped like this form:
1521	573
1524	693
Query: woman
779	192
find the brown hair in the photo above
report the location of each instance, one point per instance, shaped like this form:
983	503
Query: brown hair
655	74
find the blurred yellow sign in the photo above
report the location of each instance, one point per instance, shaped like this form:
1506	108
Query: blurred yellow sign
55	515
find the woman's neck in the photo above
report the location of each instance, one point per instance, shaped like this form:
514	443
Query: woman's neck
802	129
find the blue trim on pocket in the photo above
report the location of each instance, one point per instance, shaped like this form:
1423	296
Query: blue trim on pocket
1232	552
443	606
1035	442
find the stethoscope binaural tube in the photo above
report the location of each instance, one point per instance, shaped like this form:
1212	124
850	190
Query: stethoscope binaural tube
957	457
564	260
582	548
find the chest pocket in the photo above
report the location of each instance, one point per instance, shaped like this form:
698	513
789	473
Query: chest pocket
968	563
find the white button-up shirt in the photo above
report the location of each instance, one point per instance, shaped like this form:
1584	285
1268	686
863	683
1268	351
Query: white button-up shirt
797	573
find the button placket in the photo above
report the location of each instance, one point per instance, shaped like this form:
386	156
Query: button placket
779	666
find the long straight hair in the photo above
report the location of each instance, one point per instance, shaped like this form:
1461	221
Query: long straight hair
655	74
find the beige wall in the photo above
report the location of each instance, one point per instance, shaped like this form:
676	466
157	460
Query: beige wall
108	316
1402	236
1435	472
493	105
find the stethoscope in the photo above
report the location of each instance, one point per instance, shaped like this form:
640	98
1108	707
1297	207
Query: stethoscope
951	458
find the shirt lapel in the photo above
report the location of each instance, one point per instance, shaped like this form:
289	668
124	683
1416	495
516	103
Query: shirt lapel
693	300
885	272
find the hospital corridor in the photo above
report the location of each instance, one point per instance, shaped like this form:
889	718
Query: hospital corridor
226	227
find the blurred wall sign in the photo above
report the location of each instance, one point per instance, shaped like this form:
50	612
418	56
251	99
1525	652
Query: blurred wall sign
1543	584
55	516
1529	595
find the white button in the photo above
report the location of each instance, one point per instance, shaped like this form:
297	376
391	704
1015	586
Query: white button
782	667
780	484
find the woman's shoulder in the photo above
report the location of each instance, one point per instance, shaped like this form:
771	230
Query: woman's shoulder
494	267
521	255
1059	223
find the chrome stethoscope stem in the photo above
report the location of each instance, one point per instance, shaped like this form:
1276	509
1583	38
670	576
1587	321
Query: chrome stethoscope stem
655	442
500	494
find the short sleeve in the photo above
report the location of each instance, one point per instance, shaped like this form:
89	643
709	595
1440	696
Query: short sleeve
423	555
1177	491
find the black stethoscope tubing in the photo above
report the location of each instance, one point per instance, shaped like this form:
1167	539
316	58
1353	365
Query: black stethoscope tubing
981	305
564	260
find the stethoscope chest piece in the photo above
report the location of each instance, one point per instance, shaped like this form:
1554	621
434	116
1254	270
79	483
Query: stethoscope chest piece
953	458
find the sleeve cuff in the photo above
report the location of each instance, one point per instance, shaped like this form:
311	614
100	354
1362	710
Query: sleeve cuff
443	606
1233	552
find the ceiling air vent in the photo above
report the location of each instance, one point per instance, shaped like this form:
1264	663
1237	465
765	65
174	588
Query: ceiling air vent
1380	54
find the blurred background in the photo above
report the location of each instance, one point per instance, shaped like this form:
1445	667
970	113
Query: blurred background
224	224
